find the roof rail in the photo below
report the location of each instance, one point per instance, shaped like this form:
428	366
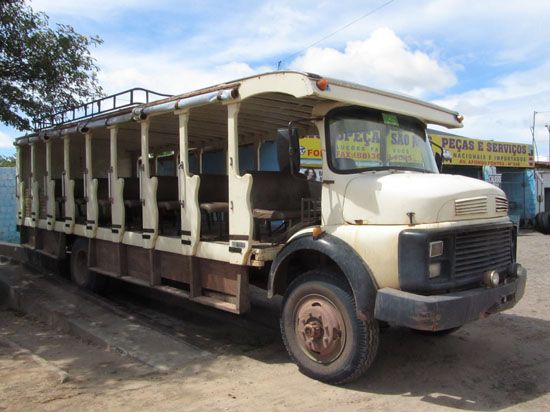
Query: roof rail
127	98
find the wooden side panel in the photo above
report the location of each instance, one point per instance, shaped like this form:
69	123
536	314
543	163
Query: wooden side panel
107	257
52	243
218	276
173	266
28	236
139	262
231	280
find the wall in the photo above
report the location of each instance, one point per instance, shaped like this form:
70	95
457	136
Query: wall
8	233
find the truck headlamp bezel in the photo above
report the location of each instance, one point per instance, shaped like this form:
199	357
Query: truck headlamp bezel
436	248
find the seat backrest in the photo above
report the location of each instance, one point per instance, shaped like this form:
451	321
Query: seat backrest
78	189
167	188
213	188
278	191
57	189
102	188
131	188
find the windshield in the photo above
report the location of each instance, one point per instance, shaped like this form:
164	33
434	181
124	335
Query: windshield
362	139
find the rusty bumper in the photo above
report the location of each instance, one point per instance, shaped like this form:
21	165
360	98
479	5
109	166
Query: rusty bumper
450	310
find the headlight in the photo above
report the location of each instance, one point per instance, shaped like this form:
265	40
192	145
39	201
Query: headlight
435	269
491	278
436	248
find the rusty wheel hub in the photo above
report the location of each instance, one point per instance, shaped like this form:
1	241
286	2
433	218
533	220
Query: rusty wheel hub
320	328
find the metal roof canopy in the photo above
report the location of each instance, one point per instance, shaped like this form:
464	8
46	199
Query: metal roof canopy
268	101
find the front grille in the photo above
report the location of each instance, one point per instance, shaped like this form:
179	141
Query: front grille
501	204
482	250
471	206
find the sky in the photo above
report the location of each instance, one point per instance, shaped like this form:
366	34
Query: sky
489	60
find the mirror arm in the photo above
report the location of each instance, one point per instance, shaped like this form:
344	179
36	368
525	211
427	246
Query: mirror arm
441	155
291	148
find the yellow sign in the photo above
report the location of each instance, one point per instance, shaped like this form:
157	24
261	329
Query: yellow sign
310	151
475	152
364	148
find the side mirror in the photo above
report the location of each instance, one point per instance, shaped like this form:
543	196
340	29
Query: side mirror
288	150
447	156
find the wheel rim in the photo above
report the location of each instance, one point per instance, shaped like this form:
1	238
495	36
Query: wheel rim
320	328
81	268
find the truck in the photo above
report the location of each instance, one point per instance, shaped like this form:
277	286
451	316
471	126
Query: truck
176	193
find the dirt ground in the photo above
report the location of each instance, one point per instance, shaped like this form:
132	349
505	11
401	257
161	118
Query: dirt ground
502	362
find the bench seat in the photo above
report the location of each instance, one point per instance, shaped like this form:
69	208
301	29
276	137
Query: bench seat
215	207
269	214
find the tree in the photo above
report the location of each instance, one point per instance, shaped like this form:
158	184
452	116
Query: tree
42	69
7	161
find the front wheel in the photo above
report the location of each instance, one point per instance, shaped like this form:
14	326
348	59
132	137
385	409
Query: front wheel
321	331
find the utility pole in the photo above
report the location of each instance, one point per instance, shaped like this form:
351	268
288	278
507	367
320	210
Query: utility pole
535	148
533	134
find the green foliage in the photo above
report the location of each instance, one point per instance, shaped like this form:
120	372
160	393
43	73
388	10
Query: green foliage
7	161
42	69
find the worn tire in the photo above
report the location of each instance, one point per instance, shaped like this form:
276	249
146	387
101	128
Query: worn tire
353	355
80	274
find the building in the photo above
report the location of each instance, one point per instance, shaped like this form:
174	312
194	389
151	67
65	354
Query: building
507	165
543	186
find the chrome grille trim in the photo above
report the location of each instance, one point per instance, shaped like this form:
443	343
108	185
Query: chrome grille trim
471	206
482	250
501	204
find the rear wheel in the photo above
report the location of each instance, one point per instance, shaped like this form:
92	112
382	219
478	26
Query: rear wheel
321	330
80	274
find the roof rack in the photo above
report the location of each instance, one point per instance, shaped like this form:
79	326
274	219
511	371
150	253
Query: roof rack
127	98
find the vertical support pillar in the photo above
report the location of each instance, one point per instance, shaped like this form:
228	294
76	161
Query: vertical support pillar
49	188
33	187
257	158
116	189
148	186
240	211
188	192
68	188
19	186
91	190
201	152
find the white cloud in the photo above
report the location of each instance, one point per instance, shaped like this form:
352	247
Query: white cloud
505	110
382	60
6	142
163	72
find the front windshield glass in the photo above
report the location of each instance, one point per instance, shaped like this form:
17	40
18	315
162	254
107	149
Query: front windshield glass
362	139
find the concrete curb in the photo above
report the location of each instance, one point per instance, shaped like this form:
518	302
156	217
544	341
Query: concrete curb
11	251
63	307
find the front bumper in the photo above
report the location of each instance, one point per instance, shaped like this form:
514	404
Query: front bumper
446	311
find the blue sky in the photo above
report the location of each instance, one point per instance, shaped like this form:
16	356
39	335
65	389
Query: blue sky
490	59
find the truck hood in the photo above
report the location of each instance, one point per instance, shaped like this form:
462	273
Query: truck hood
397	197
